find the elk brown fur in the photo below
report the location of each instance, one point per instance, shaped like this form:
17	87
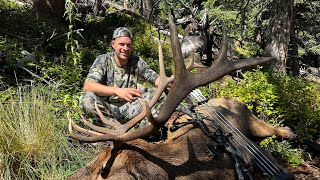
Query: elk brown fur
184	155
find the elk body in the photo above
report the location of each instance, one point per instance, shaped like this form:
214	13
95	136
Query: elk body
185	154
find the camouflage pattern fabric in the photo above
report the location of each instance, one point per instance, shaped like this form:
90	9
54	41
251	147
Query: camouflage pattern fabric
105	71
121	111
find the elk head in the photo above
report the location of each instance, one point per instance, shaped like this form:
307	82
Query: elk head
183	83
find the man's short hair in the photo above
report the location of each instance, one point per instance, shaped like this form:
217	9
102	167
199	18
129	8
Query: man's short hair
122	32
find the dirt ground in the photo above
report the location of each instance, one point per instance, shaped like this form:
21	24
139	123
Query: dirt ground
309	170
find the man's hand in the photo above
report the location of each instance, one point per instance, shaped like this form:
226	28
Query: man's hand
128	93
102	90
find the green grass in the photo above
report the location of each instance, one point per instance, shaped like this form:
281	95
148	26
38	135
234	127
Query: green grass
33	139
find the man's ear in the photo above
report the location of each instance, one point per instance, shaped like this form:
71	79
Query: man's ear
112	44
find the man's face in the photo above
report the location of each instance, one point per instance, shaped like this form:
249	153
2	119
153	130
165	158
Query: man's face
122	47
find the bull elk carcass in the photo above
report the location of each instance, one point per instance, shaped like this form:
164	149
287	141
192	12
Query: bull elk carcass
193	147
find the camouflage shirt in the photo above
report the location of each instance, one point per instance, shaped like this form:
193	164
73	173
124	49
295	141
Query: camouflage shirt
105	71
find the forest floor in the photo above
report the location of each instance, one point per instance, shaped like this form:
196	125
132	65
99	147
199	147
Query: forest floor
307	170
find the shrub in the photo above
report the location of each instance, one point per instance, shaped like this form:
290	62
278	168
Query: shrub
147	47
299	104
280	100
247	50
292	157
255	91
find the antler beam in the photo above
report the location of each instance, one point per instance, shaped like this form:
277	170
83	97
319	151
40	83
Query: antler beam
184	82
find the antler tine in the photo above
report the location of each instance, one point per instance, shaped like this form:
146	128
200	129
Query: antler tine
110	122
222	66
95	127
150	117
180	68
222	55
122	128
73	125
125	127
192	64
93	136
82	130
164	80
180	86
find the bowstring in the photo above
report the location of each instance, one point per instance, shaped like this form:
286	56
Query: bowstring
268	166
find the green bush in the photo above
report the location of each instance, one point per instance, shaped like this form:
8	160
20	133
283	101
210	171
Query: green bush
64	76
147	47
280	100
22	30
299	104
255	91
292	157
248	50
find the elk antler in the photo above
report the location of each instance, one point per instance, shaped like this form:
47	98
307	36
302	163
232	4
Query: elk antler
184	82
192	64
116	128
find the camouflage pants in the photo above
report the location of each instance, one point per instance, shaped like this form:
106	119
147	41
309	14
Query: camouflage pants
122	111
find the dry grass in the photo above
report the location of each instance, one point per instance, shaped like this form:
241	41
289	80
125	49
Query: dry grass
33	142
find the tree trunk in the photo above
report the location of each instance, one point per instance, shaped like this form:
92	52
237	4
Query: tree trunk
146	7
278	33
52	8
293	61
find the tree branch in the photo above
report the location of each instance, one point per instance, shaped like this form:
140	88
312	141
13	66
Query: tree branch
35	75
